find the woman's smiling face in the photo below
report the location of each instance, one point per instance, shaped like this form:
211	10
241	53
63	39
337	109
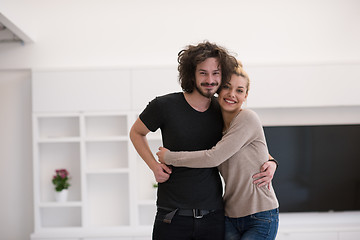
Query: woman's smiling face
233	94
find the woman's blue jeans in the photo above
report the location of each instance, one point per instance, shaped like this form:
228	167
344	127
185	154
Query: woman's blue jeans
262	225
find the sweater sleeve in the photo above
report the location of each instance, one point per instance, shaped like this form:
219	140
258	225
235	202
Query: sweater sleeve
244	129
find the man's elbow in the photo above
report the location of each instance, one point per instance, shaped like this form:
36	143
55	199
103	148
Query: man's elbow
135	134
132	134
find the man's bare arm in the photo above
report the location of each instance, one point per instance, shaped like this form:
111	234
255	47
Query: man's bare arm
138	138
266	174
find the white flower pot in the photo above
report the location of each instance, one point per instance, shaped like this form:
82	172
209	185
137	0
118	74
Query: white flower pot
61	196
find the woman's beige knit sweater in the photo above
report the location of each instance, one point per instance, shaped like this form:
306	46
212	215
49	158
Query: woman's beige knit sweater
238	155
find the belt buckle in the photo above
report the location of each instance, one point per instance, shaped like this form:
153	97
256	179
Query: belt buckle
197	213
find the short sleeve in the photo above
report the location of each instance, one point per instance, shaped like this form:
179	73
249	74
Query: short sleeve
151	115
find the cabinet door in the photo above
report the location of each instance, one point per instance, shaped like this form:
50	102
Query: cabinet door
303	85
149	83
81	90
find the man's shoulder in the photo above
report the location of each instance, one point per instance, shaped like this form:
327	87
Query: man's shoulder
169	98
173	95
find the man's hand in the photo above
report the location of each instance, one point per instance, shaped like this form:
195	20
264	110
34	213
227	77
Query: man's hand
161	172
138	134
161	154
266	174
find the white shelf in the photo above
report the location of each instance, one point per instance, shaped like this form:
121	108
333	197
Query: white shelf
59	140
108	139
150	202
106	126
108	171
52	156
67	126
108	201
94	148
106	155
60	204
81	122
65	217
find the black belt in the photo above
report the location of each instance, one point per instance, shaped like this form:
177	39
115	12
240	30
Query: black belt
195	213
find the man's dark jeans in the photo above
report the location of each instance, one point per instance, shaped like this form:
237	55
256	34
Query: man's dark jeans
209	227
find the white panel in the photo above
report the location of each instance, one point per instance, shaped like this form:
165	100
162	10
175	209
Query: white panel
106	126
147	215
58	127
106	155
307	236
81	90
355	235
149	83
108	202
108	238
304	85
146	179
52	238
309	116
65	217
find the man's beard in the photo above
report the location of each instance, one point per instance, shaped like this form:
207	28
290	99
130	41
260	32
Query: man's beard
207	93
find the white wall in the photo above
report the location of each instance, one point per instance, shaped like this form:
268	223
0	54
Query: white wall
77	33
96	33
16	202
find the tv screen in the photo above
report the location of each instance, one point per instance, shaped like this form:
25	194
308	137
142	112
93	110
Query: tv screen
319	167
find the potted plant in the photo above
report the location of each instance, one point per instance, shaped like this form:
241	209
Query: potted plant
61	182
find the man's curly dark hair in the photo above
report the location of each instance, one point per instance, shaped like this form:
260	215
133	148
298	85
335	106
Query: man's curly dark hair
191	56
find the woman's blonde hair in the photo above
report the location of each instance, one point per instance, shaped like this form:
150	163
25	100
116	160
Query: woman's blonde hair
239	71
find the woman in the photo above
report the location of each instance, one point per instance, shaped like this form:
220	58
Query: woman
238	155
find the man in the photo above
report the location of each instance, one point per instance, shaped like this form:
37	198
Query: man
190	199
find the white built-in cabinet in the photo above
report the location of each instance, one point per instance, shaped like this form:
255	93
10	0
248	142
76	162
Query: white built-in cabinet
81	122
109	183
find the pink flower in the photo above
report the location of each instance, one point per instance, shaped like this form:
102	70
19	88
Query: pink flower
60	180
63	173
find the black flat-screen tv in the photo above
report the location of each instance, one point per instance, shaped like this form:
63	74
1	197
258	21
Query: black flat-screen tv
319	167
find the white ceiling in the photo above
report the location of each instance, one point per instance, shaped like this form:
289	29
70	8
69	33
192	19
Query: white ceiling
10	32
7	36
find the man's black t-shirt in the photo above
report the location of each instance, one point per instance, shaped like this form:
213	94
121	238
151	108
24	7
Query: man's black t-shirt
185	129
